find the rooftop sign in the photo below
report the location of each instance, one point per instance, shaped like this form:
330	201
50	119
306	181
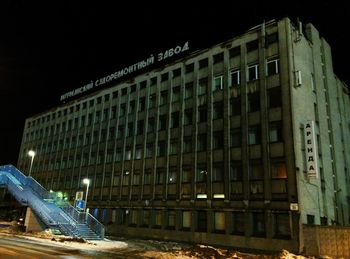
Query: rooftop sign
127	70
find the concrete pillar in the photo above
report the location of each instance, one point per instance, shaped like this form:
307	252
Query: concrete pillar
32	222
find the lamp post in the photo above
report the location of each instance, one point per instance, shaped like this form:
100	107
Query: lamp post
31	153
87	182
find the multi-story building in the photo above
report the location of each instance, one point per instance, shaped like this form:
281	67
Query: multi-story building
239	144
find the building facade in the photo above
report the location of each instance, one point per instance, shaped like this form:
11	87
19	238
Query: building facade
238	145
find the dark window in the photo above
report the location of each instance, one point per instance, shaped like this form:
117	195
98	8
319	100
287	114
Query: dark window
162	122
235	77
159	176
218	110
188	115
202	86
175	94
234	52
218	140
236	138
131	106
256	170
254	102
177	72
203	63
218	57
151	125
163	98
259	224
143	85
164	77
187	145
152	101
132	88
142	104
153	81
140	125
235	106
189	68
202	142
274	97
252	45
161	148
202	221
253	72
218	172
175	120
238	223
272	38
115	94
236	173
203	115
310	219
189	90
282	226
124	91
272	67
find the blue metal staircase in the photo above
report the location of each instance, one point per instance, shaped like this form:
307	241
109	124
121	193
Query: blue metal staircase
54	214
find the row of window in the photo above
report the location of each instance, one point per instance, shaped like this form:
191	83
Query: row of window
272	68
274	100
235	223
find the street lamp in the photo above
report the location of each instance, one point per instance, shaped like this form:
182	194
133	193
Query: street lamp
31	153
87	182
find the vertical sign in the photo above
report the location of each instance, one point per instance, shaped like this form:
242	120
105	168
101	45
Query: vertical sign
310	150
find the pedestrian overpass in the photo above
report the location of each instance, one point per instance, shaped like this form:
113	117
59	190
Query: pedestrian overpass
54	213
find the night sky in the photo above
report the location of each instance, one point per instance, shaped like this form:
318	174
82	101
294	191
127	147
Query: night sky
50	47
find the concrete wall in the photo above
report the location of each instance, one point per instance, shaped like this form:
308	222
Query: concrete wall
32	222
326	240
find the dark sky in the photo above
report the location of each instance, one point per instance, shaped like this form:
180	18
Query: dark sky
50	47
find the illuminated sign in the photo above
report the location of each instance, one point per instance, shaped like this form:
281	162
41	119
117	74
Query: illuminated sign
310	150
127	70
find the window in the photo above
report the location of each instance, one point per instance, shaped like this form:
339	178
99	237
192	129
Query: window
130	130
275	132
120	132
145	219
128	153
152	101
235	77
174	120
115	94
187	145
253	72
188	114
235	137
202	221
274	97
162	122
122	110
202	110
124	91
153	81
151	125
176	94
252	45
138	152
172	175
218	110
310	219
282	226
272	38
236	173
235	106
202	142
132	88
173	147
149	150
259	224
131	106
202	173
203	63
136	178
218	58
186	220
218	83
254	135
161	148
189	90
278	170
140	125
218	140
238	223
186	174
164	77
143	85
147	179
158	218
177	72
235	52
159	176
256	170
254	102
219	222
202	86
218	172
272	67
142	104
163	98
189	68
171	219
